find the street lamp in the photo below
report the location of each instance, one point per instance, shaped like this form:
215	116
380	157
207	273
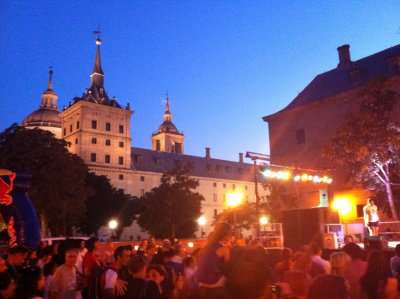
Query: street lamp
202	221
234	200
263	221
113	224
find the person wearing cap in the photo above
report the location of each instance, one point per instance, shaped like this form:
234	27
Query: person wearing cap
371	218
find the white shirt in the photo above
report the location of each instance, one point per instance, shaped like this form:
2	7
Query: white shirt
111	279
326	265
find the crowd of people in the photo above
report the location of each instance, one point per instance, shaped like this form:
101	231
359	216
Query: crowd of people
222	269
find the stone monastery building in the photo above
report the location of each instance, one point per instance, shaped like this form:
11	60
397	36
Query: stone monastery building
98	129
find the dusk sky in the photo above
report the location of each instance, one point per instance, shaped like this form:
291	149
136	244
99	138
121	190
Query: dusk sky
225	64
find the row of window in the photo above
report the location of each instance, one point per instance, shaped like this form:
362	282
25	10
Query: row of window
94	126
107	126
138	159
142	178
107	159
107	142
224	186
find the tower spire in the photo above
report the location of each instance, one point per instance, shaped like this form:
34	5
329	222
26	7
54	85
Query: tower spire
166	102
49	97
97	77
167	113
50	86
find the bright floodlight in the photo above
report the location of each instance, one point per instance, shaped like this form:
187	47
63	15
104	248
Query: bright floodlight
113	224
234	199
190	245
263	220
202	220
342	205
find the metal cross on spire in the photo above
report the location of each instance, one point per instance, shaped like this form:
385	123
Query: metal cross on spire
97	31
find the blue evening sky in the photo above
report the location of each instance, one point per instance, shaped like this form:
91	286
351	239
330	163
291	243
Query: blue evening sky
225	64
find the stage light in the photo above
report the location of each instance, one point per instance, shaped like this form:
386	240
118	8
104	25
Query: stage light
342	205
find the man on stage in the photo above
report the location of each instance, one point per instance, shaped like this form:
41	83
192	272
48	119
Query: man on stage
371	218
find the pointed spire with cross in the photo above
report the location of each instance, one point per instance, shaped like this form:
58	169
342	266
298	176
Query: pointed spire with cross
97	77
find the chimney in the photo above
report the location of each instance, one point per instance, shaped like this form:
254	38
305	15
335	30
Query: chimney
240	157
344	56
208	155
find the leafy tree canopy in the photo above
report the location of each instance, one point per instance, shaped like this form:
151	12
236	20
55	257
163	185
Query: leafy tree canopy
171	209
105	203
58	188
368	142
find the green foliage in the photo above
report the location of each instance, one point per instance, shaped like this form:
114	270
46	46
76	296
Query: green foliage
171	209
58	188
105	203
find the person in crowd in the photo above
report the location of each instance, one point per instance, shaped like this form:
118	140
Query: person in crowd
66	283
90	264
45	257
112	285
355	269
32	258
328	286
151	241
179	254
285	264
316	257
7	286
395	263
143	245
16	257
48	271
371	217
30	283
82	248
340	263
298	283
212	259
138	286
191	284
165	247
302	262
107	258
248	276
377	281
150	253
3	266
157	273
169	263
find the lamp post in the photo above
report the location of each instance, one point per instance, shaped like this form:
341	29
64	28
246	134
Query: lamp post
234	200
254	157
201	221
113	224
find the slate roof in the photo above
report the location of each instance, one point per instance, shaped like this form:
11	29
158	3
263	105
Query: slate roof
358	73
159	162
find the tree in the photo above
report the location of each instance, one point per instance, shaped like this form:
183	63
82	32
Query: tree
368	142
58	188
105	203
171	209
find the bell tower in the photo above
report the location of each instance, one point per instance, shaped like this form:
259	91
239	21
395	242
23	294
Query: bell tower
98	128
168	138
